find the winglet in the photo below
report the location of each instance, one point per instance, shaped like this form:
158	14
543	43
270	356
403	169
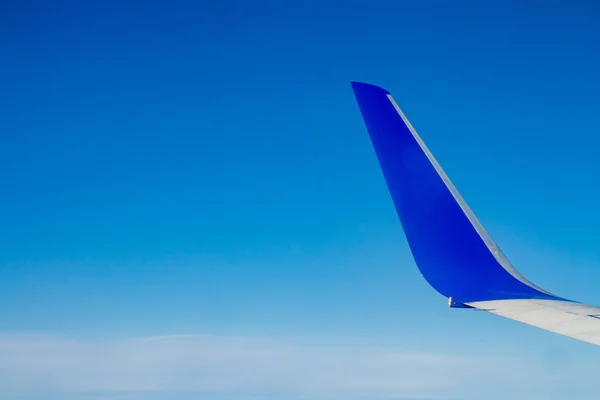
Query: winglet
451	248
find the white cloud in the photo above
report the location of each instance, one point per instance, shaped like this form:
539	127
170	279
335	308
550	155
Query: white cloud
248	366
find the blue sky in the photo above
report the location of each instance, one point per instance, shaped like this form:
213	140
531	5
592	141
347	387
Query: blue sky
201	168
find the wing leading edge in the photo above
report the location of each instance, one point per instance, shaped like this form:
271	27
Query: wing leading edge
451	248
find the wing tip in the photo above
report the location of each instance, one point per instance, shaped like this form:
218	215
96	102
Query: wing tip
362	86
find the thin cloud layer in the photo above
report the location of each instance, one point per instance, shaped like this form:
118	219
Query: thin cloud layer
249	366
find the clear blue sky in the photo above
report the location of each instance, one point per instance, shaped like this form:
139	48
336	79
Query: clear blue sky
202	168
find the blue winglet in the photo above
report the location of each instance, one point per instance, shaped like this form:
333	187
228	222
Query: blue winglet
450	246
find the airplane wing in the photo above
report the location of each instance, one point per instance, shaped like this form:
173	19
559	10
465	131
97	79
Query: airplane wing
451	248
